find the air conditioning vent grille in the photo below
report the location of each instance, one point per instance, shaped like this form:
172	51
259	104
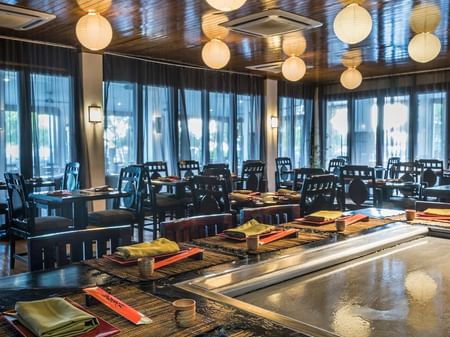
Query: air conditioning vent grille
270	23
21	18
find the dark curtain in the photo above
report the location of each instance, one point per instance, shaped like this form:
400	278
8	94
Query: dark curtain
212	115
48	104
295	129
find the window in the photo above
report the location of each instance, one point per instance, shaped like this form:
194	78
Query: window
292	131
191	104
247	124
336	129
51	121
9	122
120	126
431	122
365	123
219	127
396	128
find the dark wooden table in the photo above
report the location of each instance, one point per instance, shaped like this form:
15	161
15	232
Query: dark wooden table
441	192
77	201
178	185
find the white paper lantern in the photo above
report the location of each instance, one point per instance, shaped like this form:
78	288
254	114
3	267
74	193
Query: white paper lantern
351	78
425	18
293	69
216	54
424	47
211	25
94	31
294	44
352	24
226	5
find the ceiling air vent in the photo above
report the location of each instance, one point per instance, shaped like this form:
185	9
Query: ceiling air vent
22	19
271	22
273	67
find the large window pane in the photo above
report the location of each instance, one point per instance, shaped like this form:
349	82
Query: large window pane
191	103
365	132
51	120
219	127
396	127
248	126
9	122
120	126
431	121
337	129
285	136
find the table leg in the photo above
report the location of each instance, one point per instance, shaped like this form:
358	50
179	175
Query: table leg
80	215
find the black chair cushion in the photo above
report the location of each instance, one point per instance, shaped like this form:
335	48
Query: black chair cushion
111	217
164	202
51	224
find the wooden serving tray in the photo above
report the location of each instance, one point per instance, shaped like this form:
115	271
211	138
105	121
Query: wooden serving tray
223	235
103	329
423	215
313	223
131	262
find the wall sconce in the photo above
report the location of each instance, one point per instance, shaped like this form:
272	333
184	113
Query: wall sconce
274	122
95	114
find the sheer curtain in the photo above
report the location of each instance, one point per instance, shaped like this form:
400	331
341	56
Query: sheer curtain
40	93
295	113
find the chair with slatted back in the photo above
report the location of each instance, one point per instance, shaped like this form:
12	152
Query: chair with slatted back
423	205
188	168
209	195
197	227
301	174
318	193
345	158
126	210
21	214
334	166
390	167
60	249
273	215
215	166
283	173
358	189
221	173
155	170
410	173
433	171
252	177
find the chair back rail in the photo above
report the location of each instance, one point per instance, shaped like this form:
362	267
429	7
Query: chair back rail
155	170
221	173
283	166
433	170
273	215
215	166
390	168
188	168
318	193
334	166
59	249
253	175
187	229
302	173
356	182
209	195
131	180
20	208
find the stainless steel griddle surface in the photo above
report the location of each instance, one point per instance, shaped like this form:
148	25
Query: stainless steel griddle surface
401	291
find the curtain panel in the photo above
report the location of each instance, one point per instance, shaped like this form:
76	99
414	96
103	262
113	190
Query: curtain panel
182	113
39	108
295	116
405	116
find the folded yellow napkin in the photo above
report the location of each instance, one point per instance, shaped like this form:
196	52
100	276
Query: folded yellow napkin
322	216
437	211
239	196
54	317
157	247
252	227
285	191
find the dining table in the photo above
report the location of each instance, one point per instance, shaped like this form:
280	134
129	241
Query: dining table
176	183
76	201
441	192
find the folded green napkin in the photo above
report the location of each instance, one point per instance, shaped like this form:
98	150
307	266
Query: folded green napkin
54	317
157	247
252	227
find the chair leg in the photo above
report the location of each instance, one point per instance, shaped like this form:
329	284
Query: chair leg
12	251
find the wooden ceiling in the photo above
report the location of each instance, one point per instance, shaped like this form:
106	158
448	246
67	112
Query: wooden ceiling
172	30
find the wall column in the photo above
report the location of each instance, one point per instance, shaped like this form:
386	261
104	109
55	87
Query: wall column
92	77
271	93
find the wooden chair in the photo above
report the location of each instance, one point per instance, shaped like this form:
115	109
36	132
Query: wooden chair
215	166
423	205
433	171
334	166
356	182
252	176
411	173
221	173
318	193
283	173
390	168
274	215
126	210
188	168
59	249
345	158
301	174
21	217
155	170
188	229
209	195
